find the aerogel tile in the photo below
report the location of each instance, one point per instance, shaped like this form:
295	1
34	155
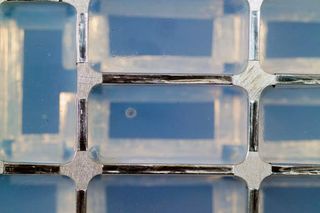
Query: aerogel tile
169	194
184	124
38	75
168	36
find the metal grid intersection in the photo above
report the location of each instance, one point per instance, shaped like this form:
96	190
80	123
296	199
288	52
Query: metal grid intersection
254	80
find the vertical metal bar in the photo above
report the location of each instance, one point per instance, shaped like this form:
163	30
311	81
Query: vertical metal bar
82	125
253	202
82	32
254	35
253	125
81	201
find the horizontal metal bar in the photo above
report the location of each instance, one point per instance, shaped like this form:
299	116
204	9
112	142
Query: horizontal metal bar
109	78
30	169
167	169
297	79
296	170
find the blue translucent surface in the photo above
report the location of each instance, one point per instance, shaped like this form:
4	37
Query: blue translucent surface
168	124
290	124
293	39
38	61
291	194
44	79
185	125
163	36
166	194
289	36
169	36
36	194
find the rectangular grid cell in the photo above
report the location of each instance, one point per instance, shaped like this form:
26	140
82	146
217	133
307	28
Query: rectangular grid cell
169	194
290	125
38	72
289	41
168	36
37	194
168	124
290	194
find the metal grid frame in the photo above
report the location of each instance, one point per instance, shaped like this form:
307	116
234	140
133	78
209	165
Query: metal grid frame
254	80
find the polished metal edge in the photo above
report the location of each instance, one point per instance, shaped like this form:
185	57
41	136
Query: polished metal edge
167	169
81	199
254	125
286	79
296	169
30	169
82	125
254	35
82	31
253	201
114	78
